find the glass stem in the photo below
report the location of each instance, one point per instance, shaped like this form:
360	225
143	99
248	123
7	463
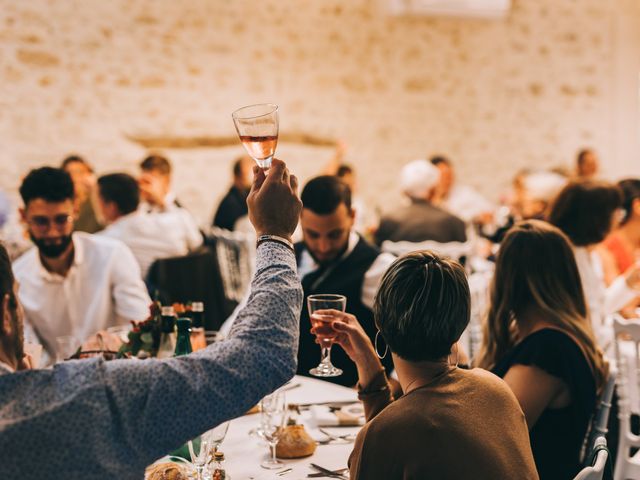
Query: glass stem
272	447
326	355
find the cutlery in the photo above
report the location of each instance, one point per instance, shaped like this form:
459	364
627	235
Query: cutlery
329	473
284	472
320	475
349	437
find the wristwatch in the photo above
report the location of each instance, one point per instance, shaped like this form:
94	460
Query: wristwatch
274	238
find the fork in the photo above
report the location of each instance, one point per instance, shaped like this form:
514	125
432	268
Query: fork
349	437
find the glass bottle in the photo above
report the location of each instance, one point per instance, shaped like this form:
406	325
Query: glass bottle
168	335
183	341
198	339
217	470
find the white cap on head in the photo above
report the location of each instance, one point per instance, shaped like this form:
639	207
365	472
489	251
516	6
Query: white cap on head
418	178
544	185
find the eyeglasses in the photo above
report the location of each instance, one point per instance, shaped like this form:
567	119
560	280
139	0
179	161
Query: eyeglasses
44	223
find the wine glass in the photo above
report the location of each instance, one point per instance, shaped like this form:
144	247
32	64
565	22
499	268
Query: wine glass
273	420
257	126
199	450
324	331
216	436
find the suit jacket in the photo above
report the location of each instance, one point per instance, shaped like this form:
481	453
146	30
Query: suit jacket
419	222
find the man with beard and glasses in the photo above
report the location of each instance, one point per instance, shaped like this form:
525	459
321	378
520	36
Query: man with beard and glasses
72	283
334	259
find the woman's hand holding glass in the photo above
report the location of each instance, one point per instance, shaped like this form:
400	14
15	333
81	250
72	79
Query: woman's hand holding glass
350	335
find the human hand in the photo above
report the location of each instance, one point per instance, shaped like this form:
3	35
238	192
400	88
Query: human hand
151	189
632	277
274	204
102	340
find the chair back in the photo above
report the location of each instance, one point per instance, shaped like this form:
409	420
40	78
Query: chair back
596	470
627	353
600	421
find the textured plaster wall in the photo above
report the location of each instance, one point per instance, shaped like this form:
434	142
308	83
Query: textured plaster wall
85	76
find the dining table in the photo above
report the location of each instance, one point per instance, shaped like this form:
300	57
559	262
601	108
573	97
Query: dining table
245	451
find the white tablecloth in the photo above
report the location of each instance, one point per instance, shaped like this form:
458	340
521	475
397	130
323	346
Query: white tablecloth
244	453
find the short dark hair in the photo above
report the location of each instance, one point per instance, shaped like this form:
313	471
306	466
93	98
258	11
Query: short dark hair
344	170
438	159
630	192
121	189
75	159
422	306
50	184
237	166
582	154
155	162
323	195
583	210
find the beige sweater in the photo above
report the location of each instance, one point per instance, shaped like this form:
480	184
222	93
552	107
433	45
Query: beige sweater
465	424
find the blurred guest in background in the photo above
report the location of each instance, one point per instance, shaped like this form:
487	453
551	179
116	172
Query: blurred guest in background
538	338
421	220
587	164
155	184
150	236
621	249
450	423
539	189
84	182
333	258
120	416
365	221
461	200
586	212
234	204
72	284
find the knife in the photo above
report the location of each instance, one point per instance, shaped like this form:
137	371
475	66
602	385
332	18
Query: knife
329	473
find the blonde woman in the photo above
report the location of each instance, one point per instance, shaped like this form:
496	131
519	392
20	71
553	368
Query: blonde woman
538	339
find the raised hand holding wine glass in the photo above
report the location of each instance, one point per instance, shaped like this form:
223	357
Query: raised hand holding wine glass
321	317
257	126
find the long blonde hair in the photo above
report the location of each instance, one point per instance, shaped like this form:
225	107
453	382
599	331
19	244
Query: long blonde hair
536	268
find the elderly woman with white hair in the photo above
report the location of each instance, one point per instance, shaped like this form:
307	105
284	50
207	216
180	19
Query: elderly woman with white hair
421	220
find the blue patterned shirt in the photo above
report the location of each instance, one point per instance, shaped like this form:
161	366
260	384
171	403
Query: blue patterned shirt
90	419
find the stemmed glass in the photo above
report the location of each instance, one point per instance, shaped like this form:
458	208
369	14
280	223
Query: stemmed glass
257	126
209	443
324	331
273	420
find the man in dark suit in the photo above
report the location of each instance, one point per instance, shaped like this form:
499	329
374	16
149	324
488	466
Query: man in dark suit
421	220
334	259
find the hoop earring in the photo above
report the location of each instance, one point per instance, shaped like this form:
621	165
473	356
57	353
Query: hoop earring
375	346
449	357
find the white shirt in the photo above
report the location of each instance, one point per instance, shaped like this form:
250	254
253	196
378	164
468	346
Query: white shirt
151	236
103	288
466	203
601	300
372	277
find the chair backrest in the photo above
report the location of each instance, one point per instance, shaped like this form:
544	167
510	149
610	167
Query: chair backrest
455	250
627	338
596	470
600	421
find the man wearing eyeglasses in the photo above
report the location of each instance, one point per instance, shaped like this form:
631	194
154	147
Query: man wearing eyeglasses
71	284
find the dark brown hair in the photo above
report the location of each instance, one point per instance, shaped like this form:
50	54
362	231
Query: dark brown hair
583	210
156	163
422	306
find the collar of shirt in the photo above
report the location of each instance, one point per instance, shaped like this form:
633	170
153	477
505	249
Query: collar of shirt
78	258
307	263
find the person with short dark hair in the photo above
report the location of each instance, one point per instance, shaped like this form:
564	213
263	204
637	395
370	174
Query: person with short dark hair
587	164
234	204
422	220
150	236
72	283
83	182
586	211
155	184
450	423
333	258
462	201
98	419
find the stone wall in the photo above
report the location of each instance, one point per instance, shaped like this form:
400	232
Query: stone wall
87	76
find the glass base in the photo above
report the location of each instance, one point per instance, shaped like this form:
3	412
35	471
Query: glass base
264	164
272	464
324	370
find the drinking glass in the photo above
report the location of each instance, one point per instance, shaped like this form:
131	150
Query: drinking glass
199	458
216	436
273	420
257	126
324	330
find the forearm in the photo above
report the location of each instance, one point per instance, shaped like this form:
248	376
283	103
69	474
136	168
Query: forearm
376	394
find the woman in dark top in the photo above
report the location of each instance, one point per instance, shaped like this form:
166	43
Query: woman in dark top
538	339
